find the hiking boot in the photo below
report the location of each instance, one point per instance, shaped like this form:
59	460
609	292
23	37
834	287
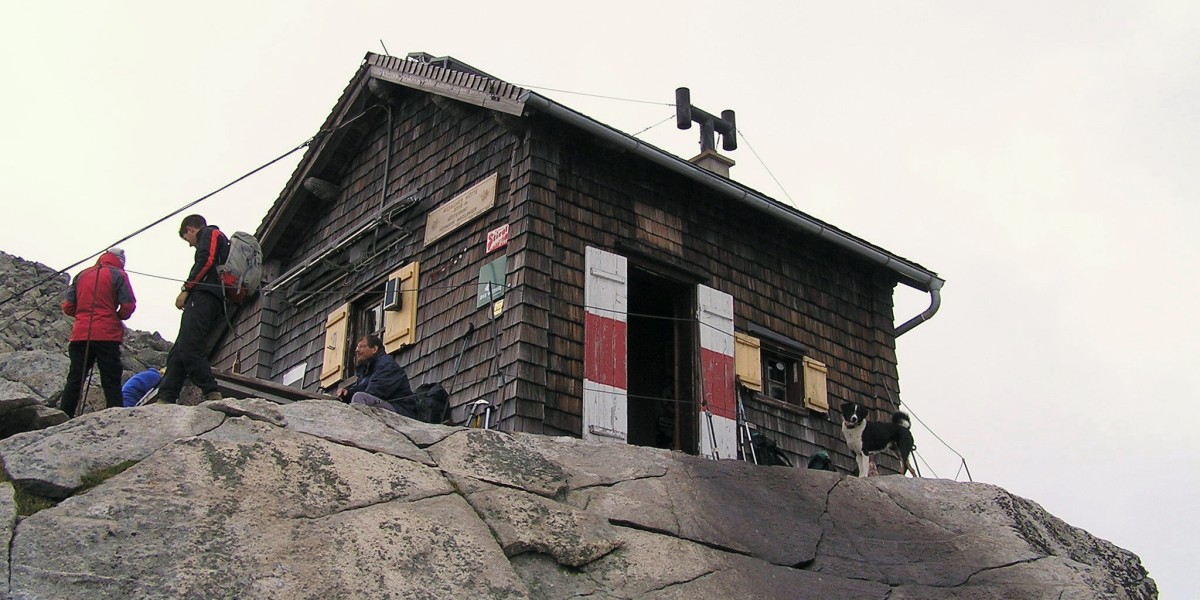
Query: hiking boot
211	396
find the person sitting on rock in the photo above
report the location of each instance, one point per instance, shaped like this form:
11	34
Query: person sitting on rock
139	385
381	382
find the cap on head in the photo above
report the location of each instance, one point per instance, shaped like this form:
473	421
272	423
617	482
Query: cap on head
117	252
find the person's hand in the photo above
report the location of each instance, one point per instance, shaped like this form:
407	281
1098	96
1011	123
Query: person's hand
342	394
181	299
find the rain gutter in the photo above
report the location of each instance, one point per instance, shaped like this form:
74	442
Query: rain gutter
909	273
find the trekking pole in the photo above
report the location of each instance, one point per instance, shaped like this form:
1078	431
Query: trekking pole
87	345
480	414
744	430
712	432
87	381
466	339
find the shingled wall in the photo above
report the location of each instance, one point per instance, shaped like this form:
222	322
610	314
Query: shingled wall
839	308
560	192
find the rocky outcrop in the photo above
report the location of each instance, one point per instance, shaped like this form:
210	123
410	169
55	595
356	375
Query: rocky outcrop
244	499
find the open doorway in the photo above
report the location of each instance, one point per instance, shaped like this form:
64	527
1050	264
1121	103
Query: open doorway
661	338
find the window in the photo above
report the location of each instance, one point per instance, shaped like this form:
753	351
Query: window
778	368
368	316
782	379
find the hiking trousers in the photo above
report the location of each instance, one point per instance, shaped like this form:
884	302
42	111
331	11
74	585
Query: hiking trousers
202	314
376	401
84	355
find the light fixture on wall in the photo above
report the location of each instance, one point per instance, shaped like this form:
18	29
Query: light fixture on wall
322	189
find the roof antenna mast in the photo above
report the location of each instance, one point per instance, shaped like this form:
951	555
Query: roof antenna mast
710	125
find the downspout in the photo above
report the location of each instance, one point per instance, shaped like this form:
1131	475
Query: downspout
910	274
935	302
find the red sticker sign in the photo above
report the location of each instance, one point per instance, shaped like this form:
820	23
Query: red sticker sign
497	238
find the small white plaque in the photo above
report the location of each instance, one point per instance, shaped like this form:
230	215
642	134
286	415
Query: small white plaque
461	209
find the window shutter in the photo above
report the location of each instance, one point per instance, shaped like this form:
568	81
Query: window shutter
718	427
816	395
333	364
747	355
400	326
605	356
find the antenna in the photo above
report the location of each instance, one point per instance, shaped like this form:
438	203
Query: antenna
710	125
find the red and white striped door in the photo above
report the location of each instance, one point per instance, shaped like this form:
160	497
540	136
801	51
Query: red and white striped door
718	416
605	359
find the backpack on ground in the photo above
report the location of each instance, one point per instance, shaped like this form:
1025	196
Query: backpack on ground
431	400
241	275
768	453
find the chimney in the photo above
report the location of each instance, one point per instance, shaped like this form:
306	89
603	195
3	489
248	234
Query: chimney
714	161
710	125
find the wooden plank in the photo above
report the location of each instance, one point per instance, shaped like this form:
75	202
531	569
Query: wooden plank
454	91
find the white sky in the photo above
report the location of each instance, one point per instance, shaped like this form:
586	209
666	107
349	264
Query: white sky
1041	157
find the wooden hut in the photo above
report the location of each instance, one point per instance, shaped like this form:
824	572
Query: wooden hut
573	278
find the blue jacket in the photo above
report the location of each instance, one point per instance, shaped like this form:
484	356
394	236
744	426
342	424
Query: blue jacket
382	378
138	385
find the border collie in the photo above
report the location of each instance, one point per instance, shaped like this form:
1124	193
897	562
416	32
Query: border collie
865	439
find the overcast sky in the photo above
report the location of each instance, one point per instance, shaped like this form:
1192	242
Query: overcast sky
1040	156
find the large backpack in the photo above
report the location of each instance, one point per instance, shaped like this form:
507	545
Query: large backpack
430	402
767	452
241	275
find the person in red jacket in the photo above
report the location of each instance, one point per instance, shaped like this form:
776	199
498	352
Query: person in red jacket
99	298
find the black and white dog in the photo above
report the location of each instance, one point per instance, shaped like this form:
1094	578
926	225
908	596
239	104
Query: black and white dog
865	439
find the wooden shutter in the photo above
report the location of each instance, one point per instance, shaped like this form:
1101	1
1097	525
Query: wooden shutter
400	326
605	359
747	354
718	426
816	395
333	363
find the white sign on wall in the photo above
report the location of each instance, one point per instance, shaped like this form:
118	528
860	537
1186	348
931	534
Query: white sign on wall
461	209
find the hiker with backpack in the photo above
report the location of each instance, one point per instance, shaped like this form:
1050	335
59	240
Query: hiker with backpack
202	301
99	299
381	381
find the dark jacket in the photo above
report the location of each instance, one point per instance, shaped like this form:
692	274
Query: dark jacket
99	299
212	250
382	378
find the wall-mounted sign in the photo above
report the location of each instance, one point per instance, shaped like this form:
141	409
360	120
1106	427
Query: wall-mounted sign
491	282
461	209
497	238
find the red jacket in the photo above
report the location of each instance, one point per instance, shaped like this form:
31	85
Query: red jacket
100	298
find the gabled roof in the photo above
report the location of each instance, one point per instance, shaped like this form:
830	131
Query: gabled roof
446	77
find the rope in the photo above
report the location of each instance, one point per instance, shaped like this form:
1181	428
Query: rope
654	125
764	165
157	221
536	87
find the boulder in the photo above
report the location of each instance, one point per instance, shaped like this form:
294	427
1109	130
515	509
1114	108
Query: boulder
42	371
290	516
28	417
326	500
338	422
53	462
8	523
15	390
